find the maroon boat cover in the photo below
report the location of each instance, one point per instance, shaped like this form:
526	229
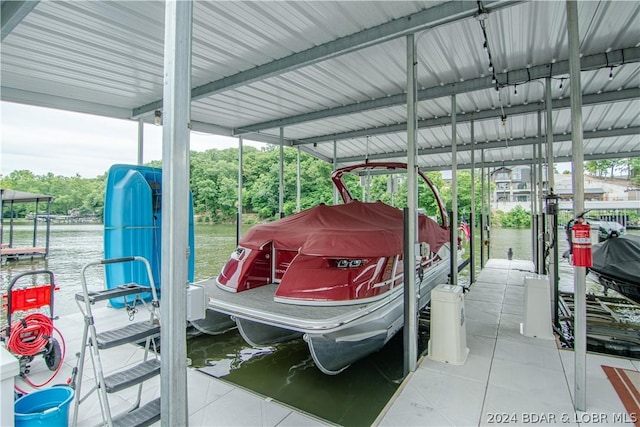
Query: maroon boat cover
351	230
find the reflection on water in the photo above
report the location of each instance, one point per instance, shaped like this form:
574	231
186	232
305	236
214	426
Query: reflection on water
71	247
284	372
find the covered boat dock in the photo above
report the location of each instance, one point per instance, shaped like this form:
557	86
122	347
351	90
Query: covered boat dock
9	250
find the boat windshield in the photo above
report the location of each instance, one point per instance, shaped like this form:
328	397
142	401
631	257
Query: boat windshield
388	184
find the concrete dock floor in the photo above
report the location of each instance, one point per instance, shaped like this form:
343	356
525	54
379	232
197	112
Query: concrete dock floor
508	378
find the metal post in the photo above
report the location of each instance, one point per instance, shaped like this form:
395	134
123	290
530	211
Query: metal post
454	193
534	213
2	218
281	176
472	215
240	185
577	150
483	196
140	140
298	182
335	166
11	213
410	288
540	235
488	219
553	265
175	210
46	247
35	224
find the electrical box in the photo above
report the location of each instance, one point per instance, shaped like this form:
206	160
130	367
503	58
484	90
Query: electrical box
448	343
196	302
537	307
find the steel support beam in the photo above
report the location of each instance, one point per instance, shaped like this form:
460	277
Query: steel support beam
240	185
561	137
281	176
140	141
454	193
175	211
520	76
13	12
298	182
558	104
432	17
483	201
579	273
411	218
472	215
335	166
551	235
527	162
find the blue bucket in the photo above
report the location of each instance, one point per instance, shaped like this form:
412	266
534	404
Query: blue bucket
49	407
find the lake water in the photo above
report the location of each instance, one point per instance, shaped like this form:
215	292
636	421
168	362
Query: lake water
286	372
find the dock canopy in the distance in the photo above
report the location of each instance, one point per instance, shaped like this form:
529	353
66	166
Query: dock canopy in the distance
22	196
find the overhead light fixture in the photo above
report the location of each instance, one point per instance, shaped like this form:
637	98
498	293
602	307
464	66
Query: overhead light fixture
610	73
515	90
157	119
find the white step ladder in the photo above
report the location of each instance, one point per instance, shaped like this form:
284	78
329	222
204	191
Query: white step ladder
94	342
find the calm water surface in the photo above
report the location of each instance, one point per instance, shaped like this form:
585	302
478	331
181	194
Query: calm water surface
286	372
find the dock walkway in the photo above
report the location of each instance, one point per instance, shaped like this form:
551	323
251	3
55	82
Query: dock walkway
507	379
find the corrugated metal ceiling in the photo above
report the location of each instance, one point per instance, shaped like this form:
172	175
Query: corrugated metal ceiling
329	70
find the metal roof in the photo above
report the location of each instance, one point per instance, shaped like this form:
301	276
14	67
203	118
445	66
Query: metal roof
21	196
336	71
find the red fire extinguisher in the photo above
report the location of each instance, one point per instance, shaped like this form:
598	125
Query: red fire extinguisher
581	241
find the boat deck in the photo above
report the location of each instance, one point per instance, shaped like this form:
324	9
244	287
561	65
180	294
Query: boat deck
260	304
260	300
507	379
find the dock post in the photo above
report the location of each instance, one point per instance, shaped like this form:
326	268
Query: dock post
281	176
482	209
454	193
577	150
472	215
175	209
411	218
48	235
240	185
298	181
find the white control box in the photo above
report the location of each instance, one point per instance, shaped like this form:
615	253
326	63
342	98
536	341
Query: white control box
196	302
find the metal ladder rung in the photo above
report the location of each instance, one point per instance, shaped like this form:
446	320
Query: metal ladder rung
120	291
143	416
131	333
132	376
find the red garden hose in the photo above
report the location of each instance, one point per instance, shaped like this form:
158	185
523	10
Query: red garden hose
30	336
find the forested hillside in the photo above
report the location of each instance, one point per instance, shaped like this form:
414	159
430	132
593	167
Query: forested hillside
214	182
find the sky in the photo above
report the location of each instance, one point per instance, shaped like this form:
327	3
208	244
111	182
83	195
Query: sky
45	140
